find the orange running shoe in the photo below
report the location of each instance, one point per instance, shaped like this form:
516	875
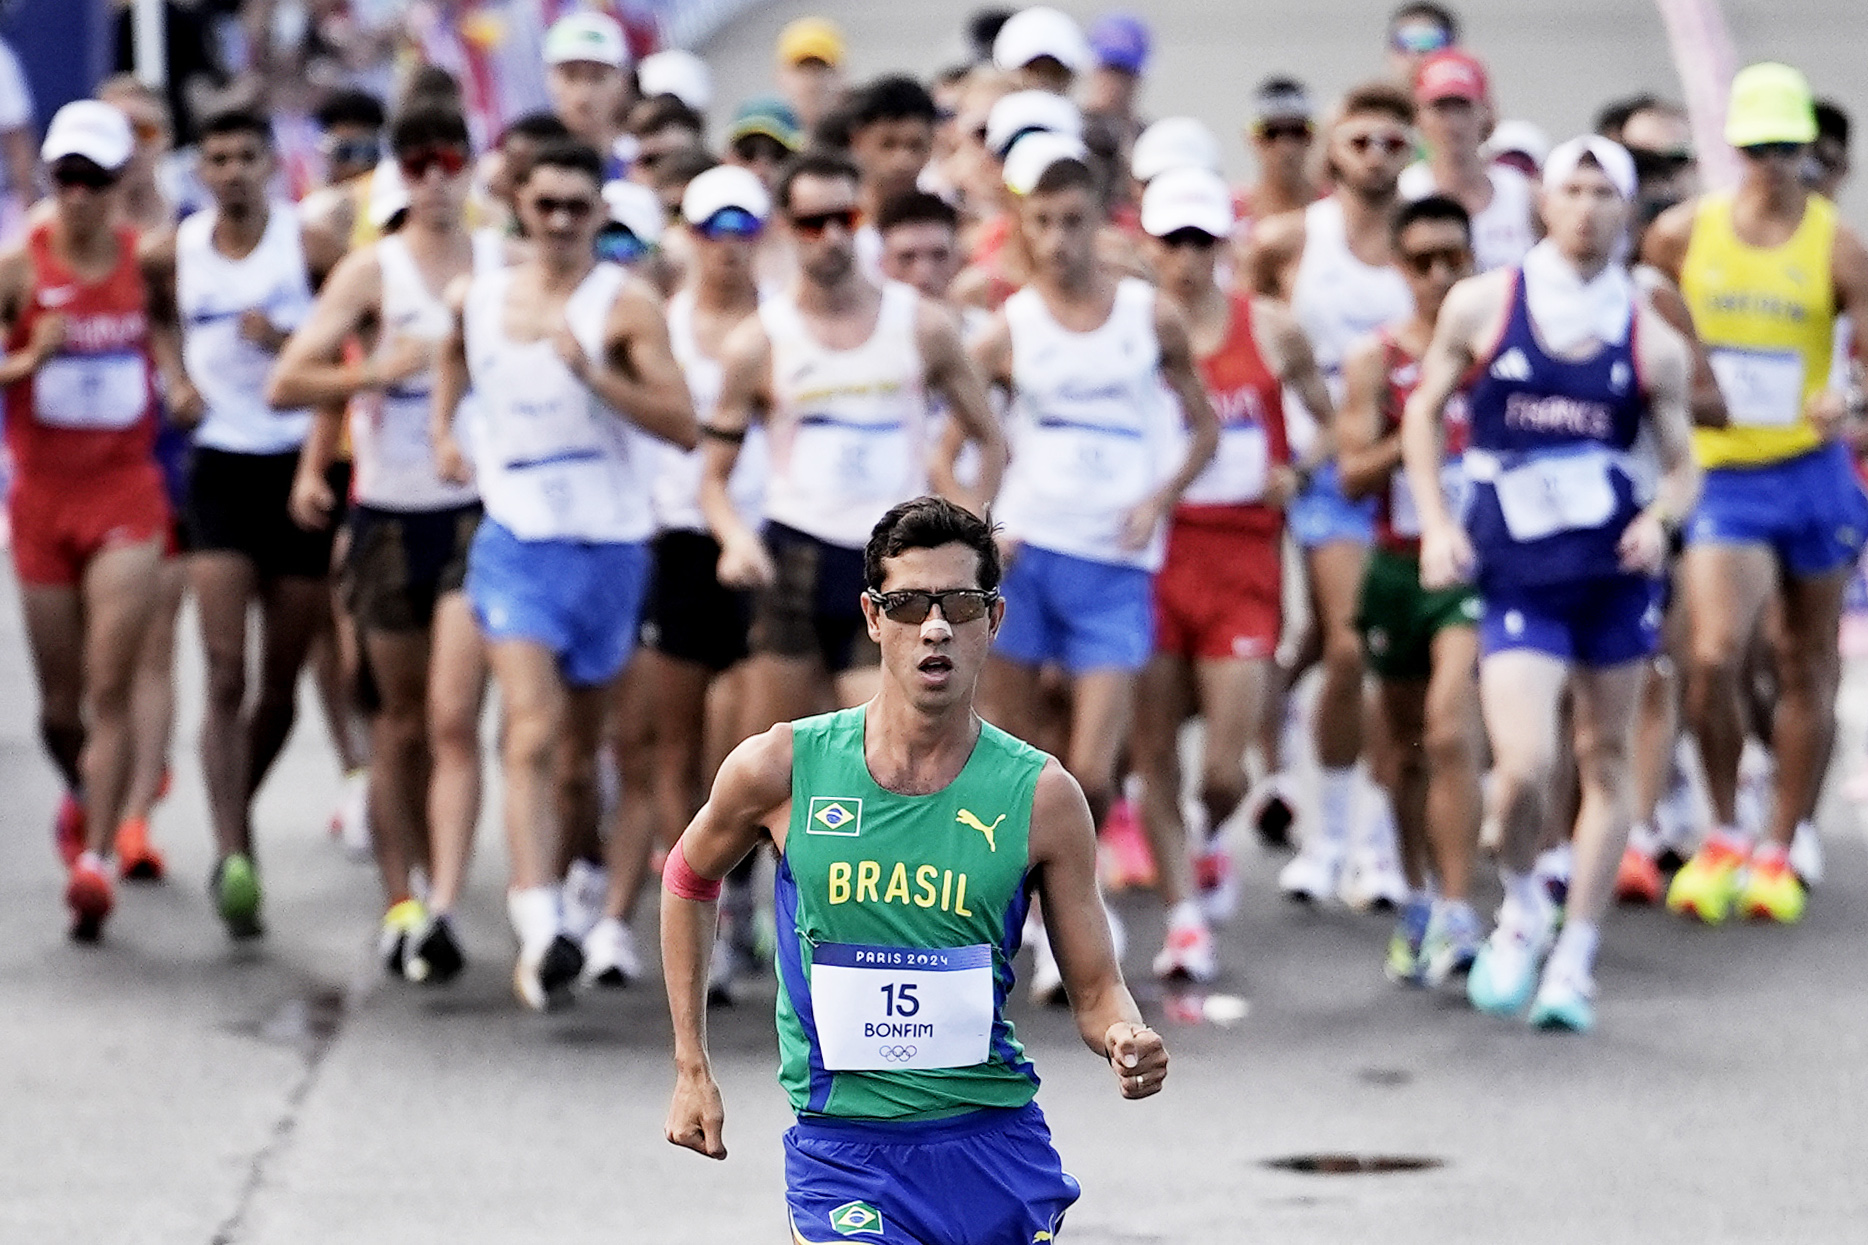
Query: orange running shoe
1127	859
69	828
1638	880
88	896
137	858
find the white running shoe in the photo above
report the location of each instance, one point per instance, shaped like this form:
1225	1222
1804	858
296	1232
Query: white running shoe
1189	954
1564	1001
1047	979
586	886
610	956
1217	880
1312	875
1504	974
1373	880
350	823
544	973
1806	855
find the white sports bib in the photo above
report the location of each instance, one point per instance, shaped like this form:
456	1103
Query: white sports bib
1761	388
94	391
1550	495
884	1009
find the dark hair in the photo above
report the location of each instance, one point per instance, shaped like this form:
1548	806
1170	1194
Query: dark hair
982	30
428	125
1432	207
350	107
681	167
429	83
1069	173
1379	97
652	116
1438	14
237	121
1832	121
832	131
917	207
1612	116
829	165
894	98
569	153
540	127
929	523
1279	84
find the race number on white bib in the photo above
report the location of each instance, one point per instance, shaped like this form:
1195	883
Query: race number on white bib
109	391
1240	469
1552	495
883	1009
1077	465
1404	515
856	462
1761	388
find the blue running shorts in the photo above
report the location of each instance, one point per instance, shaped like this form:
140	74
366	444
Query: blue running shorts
1321	515
989	1177
1591	622
1087	615
582	601
1809	510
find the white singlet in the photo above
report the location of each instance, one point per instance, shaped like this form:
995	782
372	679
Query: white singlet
394	457
553	462
212	293
1093	430
676	494
848	428
1503	232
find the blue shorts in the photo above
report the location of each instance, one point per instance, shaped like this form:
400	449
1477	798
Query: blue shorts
1809	510
1590	622
1321	515
1088	615
581	601
986	1178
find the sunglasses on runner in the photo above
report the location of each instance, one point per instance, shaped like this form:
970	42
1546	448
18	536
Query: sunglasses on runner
1420	37
576	209
1380	144
77	171
912	605
1198	239
813	224
416	163
1296	131
617	245
353	151
730	222
1422	263
1773	151
1651	163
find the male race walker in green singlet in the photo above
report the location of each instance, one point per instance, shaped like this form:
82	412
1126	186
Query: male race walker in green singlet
912	838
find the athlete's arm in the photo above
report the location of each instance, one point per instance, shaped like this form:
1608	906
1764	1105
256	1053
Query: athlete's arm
1271	264
1182	375
746	360
1063	853
155	255
1848	266
638	377
1664	244
310	370
48	330
1295	364
312	500
1666	370
1365	459
1708	404
1663	247
951	374
1472	308
752	790
451	385
325	249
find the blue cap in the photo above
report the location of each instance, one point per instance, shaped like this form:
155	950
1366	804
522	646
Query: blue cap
1121	41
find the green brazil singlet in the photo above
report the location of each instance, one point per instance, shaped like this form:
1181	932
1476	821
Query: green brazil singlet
898	916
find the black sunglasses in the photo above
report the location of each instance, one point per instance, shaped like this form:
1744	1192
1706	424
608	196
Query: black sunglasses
78	171
1298	131
1766	151
1422	262
813	224
912	605
576	209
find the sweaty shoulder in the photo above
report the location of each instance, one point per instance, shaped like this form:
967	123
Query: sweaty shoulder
756	776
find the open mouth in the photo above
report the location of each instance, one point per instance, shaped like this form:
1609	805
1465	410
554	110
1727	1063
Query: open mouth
935	664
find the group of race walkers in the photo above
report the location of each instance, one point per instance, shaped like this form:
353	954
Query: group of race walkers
897	483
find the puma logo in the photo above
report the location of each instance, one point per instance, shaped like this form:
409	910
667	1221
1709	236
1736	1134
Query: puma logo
966	818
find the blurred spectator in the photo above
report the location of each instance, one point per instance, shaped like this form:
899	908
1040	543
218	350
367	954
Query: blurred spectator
764	134
1660	138
1121	43
982	28
1282	133
196	69
494	48
18	142
1828	160
1416	31
661	127
678	73
1042	49
587	62
810	68
1519	145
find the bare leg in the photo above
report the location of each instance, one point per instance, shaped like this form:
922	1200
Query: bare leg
637	720
1726	587
1606	704
1400	762
781	689
1452	746
119	595
290	612
1232	699
224	584
1809	669
399	778
456	690
152	699
536	706
1163	700
335	665
1104	700
1519	691
1008	697
1336	578
55	630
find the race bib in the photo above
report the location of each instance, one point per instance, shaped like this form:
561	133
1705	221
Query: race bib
99	392
852	462
1082	467
1551	495
1761	388
1404	515
402	436
1240	469
885	1009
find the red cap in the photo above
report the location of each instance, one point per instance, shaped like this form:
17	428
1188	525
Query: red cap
1451	74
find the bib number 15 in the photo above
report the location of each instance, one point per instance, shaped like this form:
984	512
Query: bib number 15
900	1000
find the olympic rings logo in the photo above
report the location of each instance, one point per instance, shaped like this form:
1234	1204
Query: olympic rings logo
896	1054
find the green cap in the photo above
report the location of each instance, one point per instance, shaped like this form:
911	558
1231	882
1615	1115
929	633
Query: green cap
1771	103
770	116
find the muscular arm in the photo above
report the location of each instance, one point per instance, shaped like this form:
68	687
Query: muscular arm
951	374
1364	457
1271	263
638	377
451	385
746	360
1182	375
1294	363
309	370
15	286
1063	854
1666	366
324	251
1471	309
156	257
752	790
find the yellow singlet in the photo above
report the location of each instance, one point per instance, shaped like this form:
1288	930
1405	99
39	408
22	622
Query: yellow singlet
1767	317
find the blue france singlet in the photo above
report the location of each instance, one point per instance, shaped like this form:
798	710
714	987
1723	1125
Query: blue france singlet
1554	482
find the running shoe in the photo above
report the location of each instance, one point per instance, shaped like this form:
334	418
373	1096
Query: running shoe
1806	856
586	886
69	829
1504	972
399	927
1405	966
1190	954
610	957
1047	979
1124	855
1552	871
1638	879
542	976
1771	891
1217	881
137	858
350	823
1311	876
1708	884
236	896
88	895
1452	943
1373	881
434	955
1273	813
1564	1002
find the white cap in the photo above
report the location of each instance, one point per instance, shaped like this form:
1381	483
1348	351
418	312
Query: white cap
1610	156
678	73
636	208
1174	143
1187	198
1041	31
1033	154
1024	111
92	129
586	36
721	187
1518	136
389	194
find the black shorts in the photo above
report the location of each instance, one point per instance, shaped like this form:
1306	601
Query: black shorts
239	503
813	608
688	615
400	564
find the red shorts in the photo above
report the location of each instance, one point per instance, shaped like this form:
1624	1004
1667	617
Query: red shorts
60	525
1220	594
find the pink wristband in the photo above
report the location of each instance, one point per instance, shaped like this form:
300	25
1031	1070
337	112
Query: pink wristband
680	879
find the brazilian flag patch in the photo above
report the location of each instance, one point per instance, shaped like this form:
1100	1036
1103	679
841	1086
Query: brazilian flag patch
856	1219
